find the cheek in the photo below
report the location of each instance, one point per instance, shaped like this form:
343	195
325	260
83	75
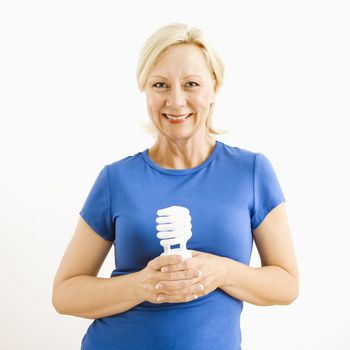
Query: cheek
154	102
203	100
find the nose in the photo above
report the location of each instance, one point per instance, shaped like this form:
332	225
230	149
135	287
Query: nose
176	97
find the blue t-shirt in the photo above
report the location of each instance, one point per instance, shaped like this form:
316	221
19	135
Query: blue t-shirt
228	196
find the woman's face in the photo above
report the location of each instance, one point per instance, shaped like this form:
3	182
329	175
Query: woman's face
180	85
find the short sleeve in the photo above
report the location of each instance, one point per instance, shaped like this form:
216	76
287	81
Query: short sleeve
267	190
96	210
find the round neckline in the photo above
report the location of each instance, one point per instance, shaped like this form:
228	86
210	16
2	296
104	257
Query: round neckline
187	171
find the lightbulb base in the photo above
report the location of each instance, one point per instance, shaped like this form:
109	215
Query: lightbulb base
177	251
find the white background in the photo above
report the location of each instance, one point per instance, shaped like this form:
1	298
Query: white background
69	104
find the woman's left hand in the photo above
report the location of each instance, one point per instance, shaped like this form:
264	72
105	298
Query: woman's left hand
211	276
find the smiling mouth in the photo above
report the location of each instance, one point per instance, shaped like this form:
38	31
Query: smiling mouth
176	118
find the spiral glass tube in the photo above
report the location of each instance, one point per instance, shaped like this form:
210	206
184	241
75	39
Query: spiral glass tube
174	227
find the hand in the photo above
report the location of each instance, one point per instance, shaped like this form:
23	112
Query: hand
179	282
184	280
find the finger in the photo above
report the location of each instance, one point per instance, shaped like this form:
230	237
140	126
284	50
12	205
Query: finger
164	260
179	275
195	252
187	273
186	264
176	298
179	287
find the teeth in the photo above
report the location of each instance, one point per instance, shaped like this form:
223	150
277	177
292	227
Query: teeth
177	118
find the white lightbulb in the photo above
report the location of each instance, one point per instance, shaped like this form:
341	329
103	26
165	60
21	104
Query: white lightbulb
175	228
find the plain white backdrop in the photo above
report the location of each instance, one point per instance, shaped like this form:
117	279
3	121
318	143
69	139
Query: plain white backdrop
69	104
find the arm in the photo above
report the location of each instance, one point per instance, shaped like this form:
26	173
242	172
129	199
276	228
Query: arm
277	280
76	289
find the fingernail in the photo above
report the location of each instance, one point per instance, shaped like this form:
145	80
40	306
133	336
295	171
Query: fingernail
160	298
164	269
199	273
159	285
199	287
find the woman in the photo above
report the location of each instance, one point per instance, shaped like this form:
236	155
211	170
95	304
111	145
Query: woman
159	301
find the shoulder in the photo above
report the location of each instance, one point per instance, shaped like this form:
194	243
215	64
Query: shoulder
245	156
125	163
237	151
239	156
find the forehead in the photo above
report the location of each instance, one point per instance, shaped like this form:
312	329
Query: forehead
182	59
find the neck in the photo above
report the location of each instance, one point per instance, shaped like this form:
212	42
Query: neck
181	154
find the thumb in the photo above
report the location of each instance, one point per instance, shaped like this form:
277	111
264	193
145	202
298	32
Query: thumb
195	252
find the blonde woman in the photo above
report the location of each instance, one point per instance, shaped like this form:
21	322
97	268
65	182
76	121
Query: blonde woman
155	301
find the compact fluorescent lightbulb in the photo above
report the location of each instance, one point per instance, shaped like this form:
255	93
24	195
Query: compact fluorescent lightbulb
174	227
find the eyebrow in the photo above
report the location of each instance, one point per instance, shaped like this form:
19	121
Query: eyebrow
187	76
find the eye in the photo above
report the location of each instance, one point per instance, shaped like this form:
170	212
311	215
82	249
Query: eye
193	82
155	85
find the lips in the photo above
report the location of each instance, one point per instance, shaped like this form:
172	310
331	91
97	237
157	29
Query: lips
176	117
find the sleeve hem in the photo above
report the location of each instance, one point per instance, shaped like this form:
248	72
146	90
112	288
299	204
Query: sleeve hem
106	238
258	220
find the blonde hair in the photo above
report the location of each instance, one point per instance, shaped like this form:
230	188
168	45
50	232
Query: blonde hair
171	35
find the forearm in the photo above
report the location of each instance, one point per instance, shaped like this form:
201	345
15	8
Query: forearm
94	297
267	285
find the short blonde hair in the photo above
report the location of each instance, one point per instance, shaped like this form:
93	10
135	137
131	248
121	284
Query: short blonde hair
171	35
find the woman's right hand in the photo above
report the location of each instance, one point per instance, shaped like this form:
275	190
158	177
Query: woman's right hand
186	280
